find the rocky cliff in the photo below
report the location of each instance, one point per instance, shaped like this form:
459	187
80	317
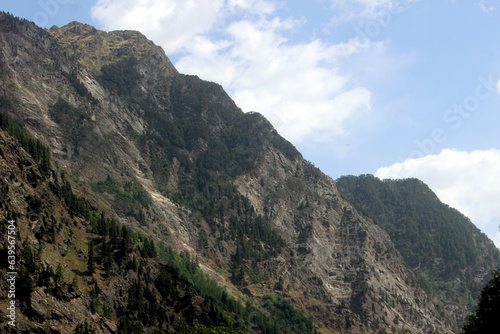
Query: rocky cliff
172	157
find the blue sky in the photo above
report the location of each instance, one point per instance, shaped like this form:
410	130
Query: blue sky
393	88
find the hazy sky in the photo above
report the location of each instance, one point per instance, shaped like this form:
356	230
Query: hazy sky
404	88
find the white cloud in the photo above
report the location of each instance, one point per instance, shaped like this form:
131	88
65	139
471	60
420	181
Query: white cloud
296	86
486	6
364	10
260	7
242	45
467	181
172	24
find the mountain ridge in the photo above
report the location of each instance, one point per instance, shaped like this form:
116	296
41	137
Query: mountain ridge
438	241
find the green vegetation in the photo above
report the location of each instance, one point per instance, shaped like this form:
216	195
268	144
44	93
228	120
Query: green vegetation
193	105
275	315
183	328
78	86
75	122
289	319
131	198
149	296
63	109
218	200
485	319
34	147
236	150
77	206
90	258
120	75
437	241
132	192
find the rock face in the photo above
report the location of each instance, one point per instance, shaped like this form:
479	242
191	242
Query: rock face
174	157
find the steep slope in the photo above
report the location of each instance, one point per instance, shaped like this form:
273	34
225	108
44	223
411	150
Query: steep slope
438	242
55	234
66	268
172	156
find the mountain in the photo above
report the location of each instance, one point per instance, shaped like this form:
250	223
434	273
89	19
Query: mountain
146	200
439	243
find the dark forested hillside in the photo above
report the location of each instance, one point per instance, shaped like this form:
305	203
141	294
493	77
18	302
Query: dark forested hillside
437	241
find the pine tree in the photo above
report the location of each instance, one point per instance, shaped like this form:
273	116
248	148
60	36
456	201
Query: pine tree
90	259
59	272
485	320
74	283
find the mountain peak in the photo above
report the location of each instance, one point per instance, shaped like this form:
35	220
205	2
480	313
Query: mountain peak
94	48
